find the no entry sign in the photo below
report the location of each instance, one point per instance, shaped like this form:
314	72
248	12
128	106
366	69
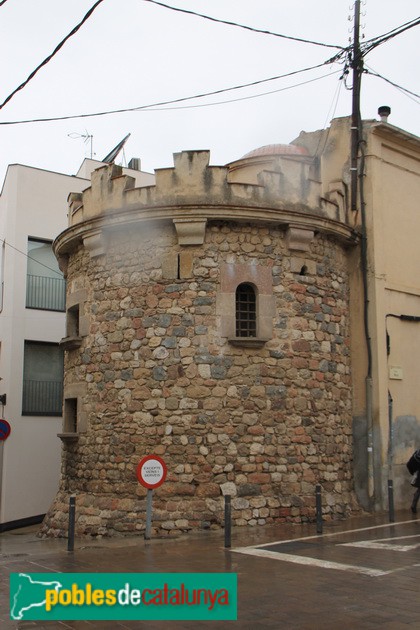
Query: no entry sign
4	429
151	471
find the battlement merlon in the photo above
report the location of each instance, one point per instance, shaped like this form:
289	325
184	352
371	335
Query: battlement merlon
193	181
192	189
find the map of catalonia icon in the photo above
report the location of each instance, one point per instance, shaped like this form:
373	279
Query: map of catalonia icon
26	594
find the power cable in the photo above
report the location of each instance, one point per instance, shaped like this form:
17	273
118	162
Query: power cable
170	101
242	98
55	51
367	47
248	28
329	116
92	9
380	39
399	87
30	257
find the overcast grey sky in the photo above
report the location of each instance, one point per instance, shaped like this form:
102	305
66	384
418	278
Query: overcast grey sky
132	53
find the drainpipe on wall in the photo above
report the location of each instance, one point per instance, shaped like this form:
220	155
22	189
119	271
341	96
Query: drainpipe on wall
390	438
368	378
369	431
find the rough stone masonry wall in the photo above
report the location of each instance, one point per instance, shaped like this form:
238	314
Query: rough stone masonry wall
264	425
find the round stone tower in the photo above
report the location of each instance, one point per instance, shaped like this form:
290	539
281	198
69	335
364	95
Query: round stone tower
207	323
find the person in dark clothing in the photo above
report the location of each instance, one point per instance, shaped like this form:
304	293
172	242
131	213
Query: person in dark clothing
413	466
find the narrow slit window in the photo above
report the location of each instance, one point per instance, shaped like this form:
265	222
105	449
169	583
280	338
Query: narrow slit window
246	311
73	315
70	415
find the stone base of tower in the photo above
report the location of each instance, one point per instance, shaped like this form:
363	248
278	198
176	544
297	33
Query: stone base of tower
118	516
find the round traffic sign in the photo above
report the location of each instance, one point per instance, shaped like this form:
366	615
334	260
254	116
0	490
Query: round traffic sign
4	429
151	471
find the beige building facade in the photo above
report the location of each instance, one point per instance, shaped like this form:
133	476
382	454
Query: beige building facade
218	319
385	315
392	194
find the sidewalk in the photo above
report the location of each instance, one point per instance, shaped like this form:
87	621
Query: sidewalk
271	593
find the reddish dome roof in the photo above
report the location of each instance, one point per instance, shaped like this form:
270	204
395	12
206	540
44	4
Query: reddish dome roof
277	149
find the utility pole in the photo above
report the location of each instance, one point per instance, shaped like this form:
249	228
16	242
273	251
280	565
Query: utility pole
356	131
357	66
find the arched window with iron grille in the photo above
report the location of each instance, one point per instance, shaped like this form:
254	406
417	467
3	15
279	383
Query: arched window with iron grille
246	310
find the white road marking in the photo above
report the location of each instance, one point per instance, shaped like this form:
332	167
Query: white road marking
262	551
322	564
331	534
398	537
380	544
371	544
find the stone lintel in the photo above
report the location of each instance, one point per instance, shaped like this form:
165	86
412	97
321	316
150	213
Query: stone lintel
299	264
190	231
76	297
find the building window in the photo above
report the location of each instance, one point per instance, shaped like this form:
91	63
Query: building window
45	285
42	379
72	322
70	415
74	417
245	304
77	323
246	311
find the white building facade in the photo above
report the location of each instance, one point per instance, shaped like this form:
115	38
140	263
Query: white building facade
33	211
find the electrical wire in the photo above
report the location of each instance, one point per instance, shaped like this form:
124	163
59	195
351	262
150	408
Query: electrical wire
92	9
2	2
55	51
330	116
248	28
185	107
242	98
170	101
30	257
370	44
343	52
372	72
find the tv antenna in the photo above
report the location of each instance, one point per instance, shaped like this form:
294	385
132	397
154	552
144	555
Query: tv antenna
87	137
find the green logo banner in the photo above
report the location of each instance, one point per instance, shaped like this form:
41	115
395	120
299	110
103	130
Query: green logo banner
119	596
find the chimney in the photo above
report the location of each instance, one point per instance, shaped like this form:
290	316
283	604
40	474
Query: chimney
383	112
135	164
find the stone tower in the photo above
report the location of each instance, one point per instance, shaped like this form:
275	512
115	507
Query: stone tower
207	323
